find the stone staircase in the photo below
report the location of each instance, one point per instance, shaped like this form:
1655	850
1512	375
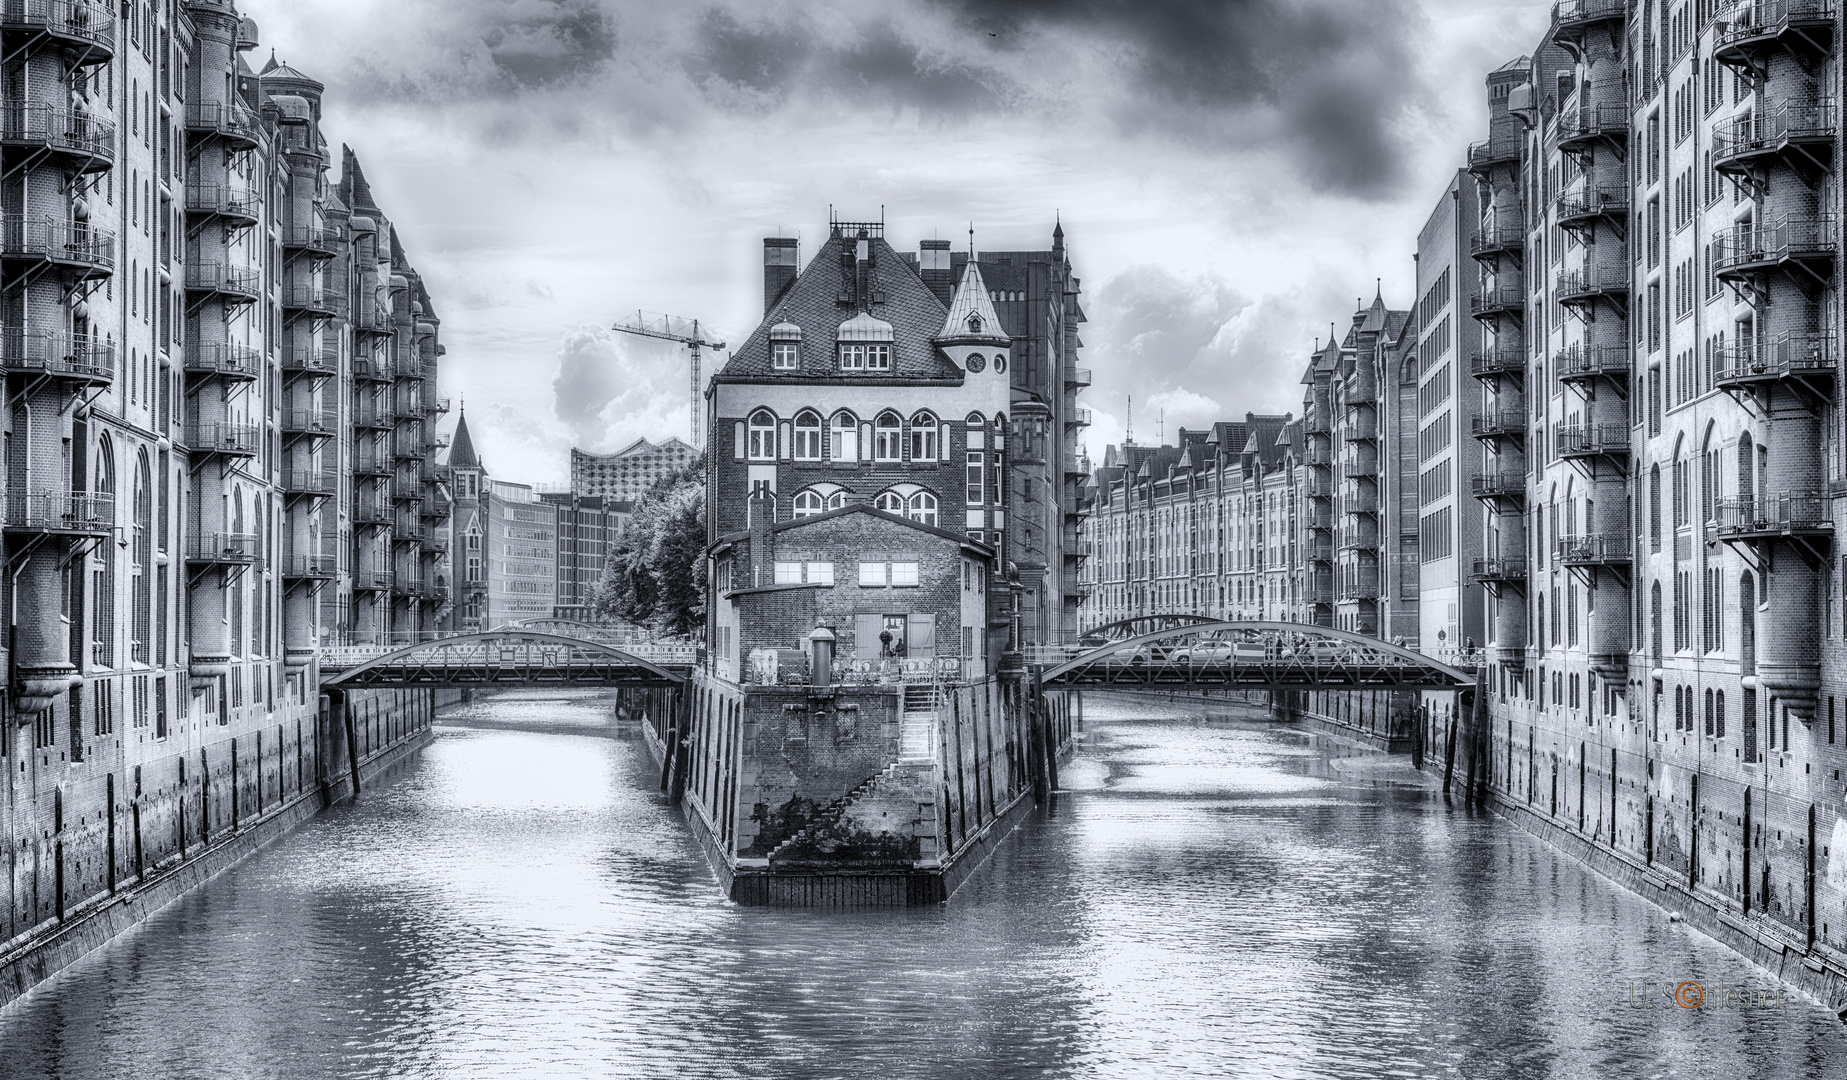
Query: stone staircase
916	752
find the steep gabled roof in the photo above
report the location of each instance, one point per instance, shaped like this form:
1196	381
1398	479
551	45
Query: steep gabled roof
972	319
813	302
462	448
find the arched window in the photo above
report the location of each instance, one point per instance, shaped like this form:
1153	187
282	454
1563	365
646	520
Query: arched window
837	500
843	437
235	594
887	438
141	548
102	624
974	421
923	508
808	435
923	437
808	504
762	436
1746	467
890	502
1654	508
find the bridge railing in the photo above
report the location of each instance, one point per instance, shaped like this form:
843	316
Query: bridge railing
334	657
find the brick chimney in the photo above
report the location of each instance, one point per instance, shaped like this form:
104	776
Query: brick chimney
762	540
780	256
933	264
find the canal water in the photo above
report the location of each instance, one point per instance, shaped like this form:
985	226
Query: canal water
1213	895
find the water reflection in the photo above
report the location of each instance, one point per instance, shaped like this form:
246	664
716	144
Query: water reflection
1211	895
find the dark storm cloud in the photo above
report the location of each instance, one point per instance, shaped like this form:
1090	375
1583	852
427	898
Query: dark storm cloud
1332	78
551	41
878	65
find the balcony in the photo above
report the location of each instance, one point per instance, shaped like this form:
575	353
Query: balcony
84	252
376	418
1359	466
369	318
229	440
83	142
1583	127
372	580
85	27
239	363
1578	441
406	489
309	567
1745	253
1499	484
1583	363
1793	515
316	240
1500	571
62	512
367	461
1796	132
309	423
231	121
306	298
1319	487
222	549
309	482
372	511
243	206
1360	500
59	355
232	284
1499	151
1501	360
1501	234
1077	376
1806	360
440	407
1355	538
306	357
1078	417
1583	206
1805	27
1593	551
1497	300
1360	424
1361	588
1575	17
410	368
1498	424
373	368
1590	285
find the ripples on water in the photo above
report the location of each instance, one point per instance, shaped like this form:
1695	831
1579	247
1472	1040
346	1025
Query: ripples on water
1211	896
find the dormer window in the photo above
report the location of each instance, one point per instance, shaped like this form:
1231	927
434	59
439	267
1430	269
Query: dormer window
865	344
785	346
974	324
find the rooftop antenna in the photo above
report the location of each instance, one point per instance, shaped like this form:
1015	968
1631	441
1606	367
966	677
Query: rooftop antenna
971	241
1129	432
1160	427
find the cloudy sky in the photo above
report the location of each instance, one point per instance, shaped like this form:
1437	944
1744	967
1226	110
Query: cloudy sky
1232	174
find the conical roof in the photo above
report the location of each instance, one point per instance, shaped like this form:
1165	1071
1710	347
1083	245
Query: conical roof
462	448
972	319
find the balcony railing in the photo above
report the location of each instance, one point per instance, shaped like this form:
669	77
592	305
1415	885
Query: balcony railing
224	199
314	238
51	352
315	299
309	482
1352	539
1078	376
309	422
85	248
1360	424
370	318
369	462
1805	357
1585	440
90	140
1498	299
370	417
1588	284
1587	550
222	548
1578	362
1500	232
1743	26
232	121
1500	359
88	23
1079	418
437	407
242	283
61	512
1498	150
1575	14
372	511
1363	588
372	580
1498	484
1774	129
310	358
1589	121
314	567
216	437
1498	424
1582	203
1790	514
1746	249
1500	569
1359	500
374	368
224	359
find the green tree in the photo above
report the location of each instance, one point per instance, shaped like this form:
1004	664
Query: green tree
655	573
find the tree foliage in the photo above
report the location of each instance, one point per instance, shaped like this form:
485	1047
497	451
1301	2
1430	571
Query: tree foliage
655	574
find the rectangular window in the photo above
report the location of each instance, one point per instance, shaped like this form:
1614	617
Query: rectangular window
788	573
878	358
852	358
904	574
975	485
820	573
872	573
783	355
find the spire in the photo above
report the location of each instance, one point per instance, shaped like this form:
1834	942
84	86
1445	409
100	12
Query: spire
972	318
462	448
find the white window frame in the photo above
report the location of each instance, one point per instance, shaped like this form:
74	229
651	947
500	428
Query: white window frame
888	442
785	355
923	436
807	442
761	444
922	507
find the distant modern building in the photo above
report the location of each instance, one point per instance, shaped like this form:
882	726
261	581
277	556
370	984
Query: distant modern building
627	474
588	527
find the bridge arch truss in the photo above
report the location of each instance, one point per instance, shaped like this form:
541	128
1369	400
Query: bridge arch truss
1195	652
505	657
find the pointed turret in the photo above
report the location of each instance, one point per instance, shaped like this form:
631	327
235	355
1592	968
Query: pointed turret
462	449
972	319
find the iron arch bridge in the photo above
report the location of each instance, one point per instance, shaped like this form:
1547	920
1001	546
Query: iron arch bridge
506	657
1193	652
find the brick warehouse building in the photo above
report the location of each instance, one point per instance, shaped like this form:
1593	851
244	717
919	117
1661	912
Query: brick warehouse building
892	510
202	337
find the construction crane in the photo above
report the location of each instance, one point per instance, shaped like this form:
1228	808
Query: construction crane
686	332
